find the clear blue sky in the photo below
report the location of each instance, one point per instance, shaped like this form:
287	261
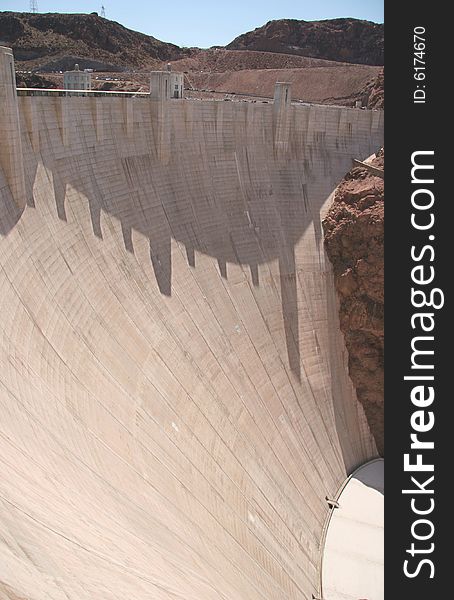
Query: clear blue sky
206	23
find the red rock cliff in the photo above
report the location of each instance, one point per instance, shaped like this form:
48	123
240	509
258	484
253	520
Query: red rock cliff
354	228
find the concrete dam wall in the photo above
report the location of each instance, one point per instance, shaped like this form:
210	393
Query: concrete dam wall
175	405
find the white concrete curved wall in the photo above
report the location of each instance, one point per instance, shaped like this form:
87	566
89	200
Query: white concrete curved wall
174	399
353	550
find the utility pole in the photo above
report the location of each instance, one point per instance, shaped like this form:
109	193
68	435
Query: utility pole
34	6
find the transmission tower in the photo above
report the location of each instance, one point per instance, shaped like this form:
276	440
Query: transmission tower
33	6
103	11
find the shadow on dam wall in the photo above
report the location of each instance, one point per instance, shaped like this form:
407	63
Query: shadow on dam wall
160	267
213	176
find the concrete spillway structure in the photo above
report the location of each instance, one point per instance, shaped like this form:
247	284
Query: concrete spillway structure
175	405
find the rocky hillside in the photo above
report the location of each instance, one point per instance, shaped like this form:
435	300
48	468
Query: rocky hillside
56	41
354	228
346	40
32	80
340	85
219	60
375	92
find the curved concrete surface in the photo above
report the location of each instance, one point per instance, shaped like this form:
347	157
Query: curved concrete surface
353	552
174	397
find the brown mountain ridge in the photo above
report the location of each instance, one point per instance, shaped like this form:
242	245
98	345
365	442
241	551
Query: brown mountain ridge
53	41
347	40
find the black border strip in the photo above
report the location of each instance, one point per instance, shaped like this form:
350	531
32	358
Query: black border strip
413	127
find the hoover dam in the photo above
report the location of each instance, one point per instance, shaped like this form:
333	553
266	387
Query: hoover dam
176	417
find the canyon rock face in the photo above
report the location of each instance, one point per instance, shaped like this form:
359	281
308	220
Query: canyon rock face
373	94
376	97
354	232
346	40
